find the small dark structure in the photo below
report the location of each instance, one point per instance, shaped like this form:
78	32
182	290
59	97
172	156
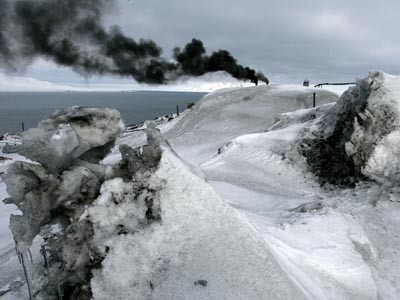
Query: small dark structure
314	102
306	82
319	85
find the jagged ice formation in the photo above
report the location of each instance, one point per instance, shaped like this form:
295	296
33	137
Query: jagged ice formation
64	177
358	137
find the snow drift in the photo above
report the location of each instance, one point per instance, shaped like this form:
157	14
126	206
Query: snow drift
197	247
226	114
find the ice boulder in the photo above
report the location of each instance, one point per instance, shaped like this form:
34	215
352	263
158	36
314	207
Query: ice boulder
51	196
68	134
68	147
358	138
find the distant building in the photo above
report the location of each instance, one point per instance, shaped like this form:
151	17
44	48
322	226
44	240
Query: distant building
306	82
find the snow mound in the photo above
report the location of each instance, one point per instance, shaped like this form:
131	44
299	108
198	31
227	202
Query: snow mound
196	248
224	115
358	138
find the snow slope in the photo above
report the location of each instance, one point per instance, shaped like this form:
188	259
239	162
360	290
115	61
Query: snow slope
333	243
293	215
224	115
200	239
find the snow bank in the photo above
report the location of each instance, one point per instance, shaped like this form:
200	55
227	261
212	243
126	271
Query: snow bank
328	243
325	252
196	248
224	115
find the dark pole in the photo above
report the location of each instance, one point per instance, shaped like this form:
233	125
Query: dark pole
177	110
27	278
23	126
313	102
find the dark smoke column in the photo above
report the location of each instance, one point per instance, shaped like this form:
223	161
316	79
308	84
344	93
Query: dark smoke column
192	60
71	33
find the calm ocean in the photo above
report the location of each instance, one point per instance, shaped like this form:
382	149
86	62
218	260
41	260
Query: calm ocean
135	107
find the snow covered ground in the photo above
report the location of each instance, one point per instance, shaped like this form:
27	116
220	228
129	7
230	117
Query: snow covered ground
242	218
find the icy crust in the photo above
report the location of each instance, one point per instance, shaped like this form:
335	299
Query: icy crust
68	134
197	247
357	138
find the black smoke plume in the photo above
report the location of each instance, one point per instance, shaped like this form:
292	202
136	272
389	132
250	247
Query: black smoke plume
192	60
70	33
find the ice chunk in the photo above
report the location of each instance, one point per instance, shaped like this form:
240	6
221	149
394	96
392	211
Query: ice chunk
357	138
66	145
68	134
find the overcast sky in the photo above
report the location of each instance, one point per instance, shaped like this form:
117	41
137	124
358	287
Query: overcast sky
325	40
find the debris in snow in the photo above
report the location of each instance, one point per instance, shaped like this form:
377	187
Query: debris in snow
307	207
201	282
13	286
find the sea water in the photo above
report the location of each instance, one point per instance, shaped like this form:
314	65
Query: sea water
135	107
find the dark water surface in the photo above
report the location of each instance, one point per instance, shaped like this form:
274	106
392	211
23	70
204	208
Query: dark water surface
135	107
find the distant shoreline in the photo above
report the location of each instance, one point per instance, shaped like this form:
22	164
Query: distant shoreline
106	91
135	107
